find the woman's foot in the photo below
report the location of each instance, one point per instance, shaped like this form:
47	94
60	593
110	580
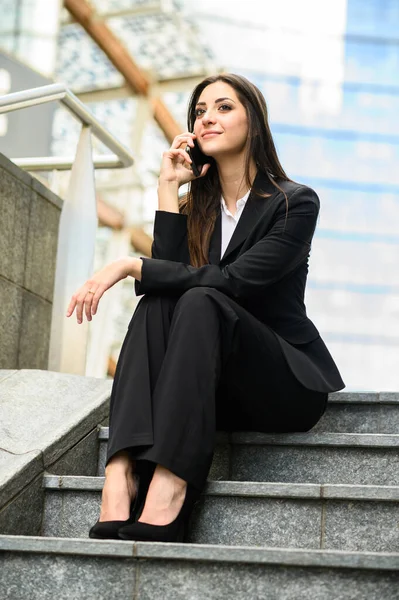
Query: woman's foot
164	499
120	489
165	516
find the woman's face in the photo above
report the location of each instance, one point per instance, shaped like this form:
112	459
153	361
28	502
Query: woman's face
221	123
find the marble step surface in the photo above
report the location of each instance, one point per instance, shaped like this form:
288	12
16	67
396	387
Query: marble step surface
292	515
313	457
68	569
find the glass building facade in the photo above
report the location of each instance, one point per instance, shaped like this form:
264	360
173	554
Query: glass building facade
330	75
28	31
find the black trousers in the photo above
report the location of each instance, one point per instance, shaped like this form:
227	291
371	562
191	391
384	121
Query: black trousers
193	364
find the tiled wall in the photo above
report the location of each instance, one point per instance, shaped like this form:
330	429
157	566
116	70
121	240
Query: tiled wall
28	244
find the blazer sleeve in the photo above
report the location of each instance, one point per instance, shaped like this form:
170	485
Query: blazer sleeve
170	237
284	247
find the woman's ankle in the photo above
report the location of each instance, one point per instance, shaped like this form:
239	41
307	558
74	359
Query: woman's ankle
118	493
162	474
120	464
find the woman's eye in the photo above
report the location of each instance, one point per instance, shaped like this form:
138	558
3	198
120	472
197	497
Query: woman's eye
200	111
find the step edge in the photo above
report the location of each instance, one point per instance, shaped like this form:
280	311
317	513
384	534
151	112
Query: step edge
250	489
373	561
73	482
361	398
330	439
358	399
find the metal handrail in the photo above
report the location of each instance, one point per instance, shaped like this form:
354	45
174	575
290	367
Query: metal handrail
58	91
64	163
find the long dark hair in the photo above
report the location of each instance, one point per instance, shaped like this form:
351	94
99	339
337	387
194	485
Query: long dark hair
201	203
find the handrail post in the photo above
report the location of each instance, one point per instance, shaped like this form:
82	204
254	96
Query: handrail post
78	222
75	258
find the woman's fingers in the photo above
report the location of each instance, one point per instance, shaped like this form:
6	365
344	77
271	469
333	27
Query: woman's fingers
205	169
92	300
88	301
183	138
173	154
96	298
87	298
81	300
71	306
185	155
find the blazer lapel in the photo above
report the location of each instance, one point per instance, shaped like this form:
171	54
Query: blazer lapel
253	209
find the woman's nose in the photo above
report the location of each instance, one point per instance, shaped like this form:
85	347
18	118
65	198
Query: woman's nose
208	117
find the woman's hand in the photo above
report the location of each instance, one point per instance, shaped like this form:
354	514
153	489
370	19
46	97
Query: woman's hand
90	293
175	165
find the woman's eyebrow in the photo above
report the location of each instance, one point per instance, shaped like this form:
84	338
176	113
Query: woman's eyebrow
218	100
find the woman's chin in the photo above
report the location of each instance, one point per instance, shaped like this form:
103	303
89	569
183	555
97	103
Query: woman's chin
223	153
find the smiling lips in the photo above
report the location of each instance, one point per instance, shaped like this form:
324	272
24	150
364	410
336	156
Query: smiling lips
210	133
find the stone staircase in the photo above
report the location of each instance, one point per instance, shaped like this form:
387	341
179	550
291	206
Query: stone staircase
283	517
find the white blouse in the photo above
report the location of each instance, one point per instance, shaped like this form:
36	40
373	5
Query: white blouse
229	221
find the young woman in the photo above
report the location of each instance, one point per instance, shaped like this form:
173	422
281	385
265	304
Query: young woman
221	339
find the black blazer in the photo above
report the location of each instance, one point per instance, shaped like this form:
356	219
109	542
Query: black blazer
264	269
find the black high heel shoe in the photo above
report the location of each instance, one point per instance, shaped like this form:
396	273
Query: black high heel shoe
172	532
103	530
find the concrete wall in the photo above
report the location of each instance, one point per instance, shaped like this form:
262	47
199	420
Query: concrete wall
29	219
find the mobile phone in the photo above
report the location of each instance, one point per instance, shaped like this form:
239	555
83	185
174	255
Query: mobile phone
198	158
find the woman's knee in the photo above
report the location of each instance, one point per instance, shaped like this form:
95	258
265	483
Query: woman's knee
195	299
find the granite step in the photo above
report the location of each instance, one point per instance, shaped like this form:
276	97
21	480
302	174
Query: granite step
335	458
356	412
347	412
336	517
340	458
67	569
360	412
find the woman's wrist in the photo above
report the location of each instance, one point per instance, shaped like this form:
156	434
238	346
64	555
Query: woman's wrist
168	195
133	266
168	183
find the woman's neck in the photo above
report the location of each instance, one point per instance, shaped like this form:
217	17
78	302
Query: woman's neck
233	181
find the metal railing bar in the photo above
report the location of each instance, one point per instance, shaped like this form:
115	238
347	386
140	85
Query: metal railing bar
79	109
32	97
64	163
58	91
29	103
